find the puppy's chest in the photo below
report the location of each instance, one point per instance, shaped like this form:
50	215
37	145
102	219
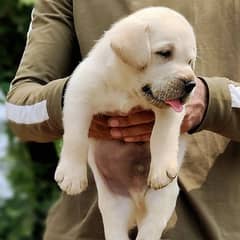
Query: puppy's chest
120	101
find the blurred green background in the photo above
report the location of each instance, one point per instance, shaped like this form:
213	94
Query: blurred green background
27	189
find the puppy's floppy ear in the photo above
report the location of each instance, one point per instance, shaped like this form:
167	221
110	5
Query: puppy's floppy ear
130	41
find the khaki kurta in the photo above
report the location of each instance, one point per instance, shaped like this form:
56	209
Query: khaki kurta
208	205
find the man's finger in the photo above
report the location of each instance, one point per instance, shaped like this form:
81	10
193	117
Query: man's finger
101	120
142	138
103	134
136	118
132	131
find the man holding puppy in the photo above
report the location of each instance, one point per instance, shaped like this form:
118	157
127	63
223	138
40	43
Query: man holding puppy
208	206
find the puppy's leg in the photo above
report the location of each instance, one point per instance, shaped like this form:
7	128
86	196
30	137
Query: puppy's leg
116	213
164	145
71	172
116	210
160	205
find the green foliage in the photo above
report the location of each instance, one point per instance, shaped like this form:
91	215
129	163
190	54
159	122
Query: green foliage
14	17
16	214
21	216
27	2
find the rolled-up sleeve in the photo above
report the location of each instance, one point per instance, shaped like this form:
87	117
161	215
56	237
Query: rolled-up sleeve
34	100
223	111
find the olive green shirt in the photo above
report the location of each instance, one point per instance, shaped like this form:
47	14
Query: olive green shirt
61	33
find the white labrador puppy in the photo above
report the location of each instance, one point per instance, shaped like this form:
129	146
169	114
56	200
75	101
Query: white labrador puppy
146	60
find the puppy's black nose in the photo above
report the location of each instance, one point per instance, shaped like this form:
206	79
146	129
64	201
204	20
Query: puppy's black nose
189	86
146	89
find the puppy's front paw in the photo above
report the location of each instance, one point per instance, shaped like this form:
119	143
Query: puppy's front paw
71	176
160	177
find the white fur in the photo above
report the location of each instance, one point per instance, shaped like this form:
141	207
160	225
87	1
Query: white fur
109	80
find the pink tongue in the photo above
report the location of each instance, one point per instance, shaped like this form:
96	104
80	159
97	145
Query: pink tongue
175	104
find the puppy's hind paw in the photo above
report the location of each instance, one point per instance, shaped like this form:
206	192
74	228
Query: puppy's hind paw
71	180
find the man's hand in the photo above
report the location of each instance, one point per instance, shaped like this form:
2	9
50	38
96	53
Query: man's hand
137	125
195	107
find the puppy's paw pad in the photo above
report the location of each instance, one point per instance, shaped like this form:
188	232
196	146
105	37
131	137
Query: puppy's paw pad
59	176
156	183
71	179
171	173
160	179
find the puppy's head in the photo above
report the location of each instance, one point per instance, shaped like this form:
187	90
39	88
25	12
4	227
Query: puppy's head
160	45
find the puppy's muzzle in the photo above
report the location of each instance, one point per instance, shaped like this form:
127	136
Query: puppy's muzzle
188	87
175	90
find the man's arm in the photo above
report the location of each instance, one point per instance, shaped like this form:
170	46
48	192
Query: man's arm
34	101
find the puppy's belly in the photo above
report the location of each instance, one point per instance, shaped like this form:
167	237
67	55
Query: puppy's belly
123	166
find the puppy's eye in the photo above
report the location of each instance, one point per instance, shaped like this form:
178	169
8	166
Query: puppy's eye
164	53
